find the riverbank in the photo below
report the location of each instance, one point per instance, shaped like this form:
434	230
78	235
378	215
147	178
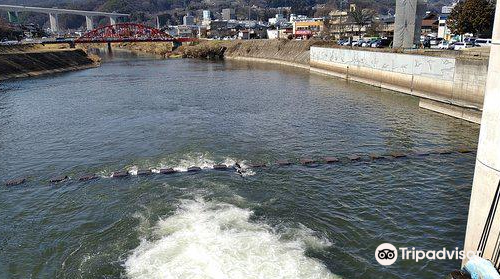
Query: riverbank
36	60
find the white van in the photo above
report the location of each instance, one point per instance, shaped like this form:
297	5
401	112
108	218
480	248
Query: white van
483	42
460	45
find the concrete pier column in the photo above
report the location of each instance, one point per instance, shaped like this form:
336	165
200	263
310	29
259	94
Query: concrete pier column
90	22
54	24
483	225
407	24
112	20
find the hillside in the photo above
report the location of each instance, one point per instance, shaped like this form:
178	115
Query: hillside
145	11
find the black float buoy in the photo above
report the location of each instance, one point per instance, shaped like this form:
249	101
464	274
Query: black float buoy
220	167
58	179
167	171
15	182
143	172
193	169
118	174
87	177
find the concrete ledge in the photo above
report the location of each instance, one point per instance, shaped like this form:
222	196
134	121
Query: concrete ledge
467	114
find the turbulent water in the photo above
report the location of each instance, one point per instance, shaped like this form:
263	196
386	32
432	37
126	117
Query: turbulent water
136	113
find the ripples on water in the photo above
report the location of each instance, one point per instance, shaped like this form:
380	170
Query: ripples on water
290	222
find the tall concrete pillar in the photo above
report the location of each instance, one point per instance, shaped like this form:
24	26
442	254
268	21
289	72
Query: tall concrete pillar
408	23
483	225
54	24
90	22
112	20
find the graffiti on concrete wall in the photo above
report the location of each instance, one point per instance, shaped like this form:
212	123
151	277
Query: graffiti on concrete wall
432	67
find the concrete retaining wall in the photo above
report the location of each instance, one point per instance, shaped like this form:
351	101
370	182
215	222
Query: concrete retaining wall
454	85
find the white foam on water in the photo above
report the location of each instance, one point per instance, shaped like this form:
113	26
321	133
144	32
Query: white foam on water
200	160
133	170
194	161
218	241
247	170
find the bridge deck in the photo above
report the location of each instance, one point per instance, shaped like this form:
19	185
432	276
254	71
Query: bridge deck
14	8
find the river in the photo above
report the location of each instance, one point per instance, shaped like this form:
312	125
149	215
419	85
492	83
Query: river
137	112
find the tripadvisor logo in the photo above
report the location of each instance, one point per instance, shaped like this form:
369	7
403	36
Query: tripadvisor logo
387	254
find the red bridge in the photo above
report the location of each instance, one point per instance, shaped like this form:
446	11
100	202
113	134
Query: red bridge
128	32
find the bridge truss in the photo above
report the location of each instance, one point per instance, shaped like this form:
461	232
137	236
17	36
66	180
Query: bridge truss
127	32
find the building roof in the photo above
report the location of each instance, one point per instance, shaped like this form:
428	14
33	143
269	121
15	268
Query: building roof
429	22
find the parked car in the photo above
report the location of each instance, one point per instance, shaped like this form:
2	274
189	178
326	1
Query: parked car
7	42
462	45
483	42
426	43
451	46
374	43
368	43
381	43
435	41
347	43
361	42
470	40
443	45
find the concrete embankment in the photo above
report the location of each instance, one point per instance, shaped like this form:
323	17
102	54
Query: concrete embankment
27	62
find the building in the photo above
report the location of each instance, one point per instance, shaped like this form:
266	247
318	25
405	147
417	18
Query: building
387	26
187	31
273	34
188	20
294	17
308	28
219	29
340	25
207	15
244	34
430	24
228	14
443	30
281	33
207	18
447	9
277	20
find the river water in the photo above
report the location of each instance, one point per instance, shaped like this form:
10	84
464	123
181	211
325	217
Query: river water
275	222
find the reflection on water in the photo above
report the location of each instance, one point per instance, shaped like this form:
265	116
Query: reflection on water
136	112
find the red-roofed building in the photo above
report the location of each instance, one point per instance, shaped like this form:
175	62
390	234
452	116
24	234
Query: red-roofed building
430	24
